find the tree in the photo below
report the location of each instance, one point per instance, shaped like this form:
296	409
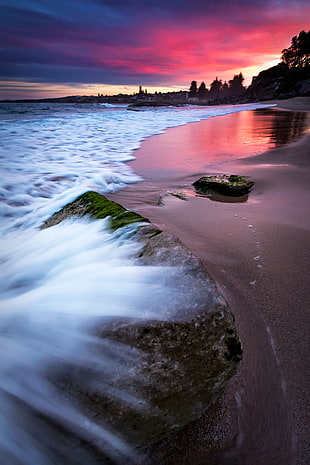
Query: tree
298	54
215	88
225	89
202	91
235	85
193	89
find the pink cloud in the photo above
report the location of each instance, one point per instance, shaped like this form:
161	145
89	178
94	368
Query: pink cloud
153	43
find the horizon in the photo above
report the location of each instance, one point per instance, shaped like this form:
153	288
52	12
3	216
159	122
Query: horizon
111	47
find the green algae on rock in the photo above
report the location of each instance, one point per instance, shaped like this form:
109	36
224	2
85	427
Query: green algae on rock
96	206
232	185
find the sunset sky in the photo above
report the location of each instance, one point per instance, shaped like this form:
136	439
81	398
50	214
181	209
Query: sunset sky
52	48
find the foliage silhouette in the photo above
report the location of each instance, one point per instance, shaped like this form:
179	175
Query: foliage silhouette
298	54
202	91
193	89
236	86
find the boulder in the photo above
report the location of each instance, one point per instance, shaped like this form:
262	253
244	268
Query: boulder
182	360
231	185
268	90
302	88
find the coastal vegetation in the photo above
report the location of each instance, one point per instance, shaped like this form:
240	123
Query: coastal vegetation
218	90
298	54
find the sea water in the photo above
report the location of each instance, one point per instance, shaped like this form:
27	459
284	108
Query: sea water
58	283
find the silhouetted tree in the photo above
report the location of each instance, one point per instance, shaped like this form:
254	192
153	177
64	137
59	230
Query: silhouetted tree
298	54
202	91
215	88
225	90
235	85
193	89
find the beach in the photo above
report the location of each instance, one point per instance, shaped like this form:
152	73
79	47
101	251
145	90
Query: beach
257	250
254	247
51	154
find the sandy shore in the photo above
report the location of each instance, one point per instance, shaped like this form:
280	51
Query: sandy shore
258	251
296	104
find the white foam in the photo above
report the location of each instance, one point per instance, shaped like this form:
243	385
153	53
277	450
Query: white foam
57	286
58	154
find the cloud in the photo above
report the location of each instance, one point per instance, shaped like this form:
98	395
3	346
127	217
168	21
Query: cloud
161	42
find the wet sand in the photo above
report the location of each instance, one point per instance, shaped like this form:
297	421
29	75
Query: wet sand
258	252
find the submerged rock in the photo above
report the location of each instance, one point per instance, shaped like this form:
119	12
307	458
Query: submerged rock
182	360
232	185
177	194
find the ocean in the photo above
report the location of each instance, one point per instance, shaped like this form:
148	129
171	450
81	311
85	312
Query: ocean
58	282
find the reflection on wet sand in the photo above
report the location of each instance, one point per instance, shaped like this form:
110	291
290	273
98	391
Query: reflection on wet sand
218	140
287	126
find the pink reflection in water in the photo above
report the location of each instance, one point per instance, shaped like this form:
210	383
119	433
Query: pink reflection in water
217	140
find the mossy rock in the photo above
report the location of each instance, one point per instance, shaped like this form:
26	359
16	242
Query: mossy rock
232	185
97	206
171	369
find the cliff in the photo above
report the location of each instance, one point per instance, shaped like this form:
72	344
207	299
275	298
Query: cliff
280	82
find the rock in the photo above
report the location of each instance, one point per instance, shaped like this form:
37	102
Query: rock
232	185
97	206
279	81
182	361
181	368
178	195
302	88
268	90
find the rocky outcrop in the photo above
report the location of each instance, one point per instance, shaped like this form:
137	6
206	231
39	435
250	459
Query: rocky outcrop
181	362
279	82
231	185
302	88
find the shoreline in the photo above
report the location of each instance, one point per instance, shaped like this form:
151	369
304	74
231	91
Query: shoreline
293	104
257	252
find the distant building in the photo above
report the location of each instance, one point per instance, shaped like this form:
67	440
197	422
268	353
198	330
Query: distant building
141	91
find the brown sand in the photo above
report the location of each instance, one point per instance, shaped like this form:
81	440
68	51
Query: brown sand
297	103
258	251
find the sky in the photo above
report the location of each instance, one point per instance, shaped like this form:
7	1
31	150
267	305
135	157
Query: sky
53	48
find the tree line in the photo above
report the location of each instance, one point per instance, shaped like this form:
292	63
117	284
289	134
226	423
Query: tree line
218	90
